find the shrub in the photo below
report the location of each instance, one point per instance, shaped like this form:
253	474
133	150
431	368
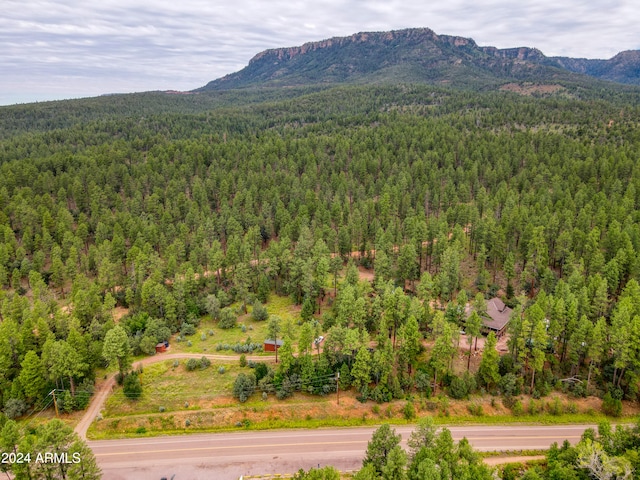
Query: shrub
83	394
555	407
191	364
212	306
148	345
381	394
14	408
66	403
204	363
131	386
509	385
161	409
611	406
459	388
141	430
579	390
240	347
409	411
227	319
203	337
221	369
244	386
261	370
475	409
187	423
259	312
517	409
243	360
423	383
186	330
535	407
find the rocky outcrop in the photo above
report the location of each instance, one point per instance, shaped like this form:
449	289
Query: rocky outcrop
417	55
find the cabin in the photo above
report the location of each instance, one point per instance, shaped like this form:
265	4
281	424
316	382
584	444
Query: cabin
271	345
498	317
162	347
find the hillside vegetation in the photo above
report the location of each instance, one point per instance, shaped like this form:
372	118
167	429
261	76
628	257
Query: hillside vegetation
169	209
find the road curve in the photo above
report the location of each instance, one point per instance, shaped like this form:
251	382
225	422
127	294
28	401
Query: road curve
101	395
228	455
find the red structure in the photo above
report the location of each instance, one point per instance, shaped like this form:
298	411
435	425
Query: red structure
162	347
271	345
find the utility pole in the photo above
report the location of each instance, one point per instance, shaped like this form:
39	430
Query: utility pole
55	402
337	387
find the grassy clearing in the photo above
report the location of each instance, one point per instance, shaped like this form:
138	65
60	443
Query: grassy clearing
208	335
168	385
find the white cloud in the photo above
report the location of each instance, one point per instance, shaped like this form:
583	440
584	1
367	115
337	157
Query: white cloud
137	45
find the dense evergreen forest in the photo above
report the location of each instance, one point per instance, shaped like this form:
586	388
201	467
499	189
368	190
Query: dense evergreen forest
178	206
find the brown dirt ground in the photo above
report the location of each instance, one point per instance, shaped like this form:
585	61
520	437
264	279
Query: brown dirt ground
365	275
119	312
529	89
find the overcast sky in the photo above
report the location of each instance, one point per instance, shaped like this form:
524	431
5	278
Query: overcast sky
53	49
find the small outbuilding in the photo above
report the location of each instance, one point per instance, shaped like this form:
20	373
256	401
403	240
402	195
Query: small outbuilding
271	345
162	347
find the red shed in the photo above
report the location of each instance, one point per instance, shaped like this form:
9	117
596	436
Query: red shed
270	345
161	347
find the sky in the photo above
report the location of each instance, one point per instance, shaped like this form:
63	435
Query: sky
58	49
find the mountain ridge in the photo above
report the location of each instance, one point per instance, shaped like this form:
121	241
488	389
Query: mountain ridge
418	55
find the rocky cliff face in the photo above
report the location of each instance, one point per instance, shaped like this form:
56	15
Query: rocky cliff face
362	38
419	56
520	53
622	68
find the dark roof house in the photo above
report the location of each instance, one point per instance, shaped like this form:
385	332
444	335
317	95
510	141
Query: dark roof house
498	316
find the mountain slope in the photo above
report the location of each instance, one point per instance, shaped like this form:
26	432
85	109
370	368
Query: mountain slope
411	55
623	68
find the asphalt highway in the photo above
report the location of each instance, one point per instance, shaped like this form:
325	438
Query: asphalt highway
223	456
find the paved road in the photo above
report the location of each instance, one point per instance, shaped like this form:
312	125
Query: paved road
228	455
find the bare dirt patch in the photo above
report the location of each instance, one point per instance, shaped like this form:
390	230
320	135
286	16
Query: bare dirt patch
365	274
119	312
529	89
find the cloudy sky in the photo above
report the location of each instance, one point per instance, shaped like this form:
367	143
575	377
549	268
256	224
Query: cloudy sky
53	49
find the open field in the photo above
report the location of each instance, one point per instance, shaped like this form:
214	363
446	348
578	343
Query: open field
208	335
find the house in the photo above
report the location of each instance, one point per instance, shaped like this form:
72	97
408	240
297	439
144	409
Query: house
498	317
270	345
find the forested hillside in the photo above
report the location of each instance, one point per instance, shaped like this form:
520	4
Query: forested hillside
172	213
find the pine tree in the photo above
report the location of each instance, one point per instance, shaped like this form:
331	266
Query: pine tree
489	370
361	370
